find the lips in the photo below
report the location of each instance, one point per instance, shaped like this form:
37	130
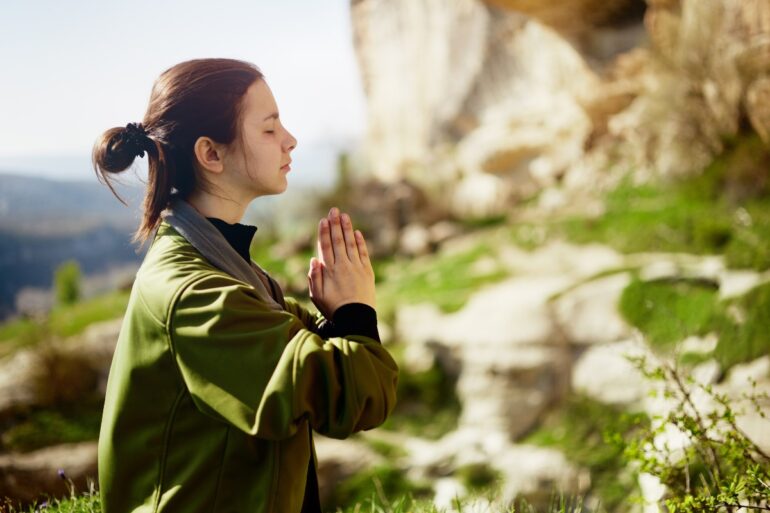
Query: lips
286	167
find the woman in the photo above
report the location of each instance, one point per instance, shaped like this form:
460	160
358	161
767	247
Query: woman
218	380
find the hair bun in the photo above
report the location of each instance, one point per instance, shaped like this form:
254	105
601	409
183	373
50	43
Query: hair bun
134	139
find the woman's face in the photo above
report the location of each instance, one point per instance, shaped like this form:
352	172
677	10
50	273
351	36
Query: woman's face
263	163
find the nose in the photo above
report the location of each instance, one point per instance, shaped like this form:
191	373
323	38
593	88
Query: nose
290	142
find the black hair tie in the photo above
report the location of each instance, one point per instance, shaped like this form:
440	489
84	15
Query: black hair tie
134	137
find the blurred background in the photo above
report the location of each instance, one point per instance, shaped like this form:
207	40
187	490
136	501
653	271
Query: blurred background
567	201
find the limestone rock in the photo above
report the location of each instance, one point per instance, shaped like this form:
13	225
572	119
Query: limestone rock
415	240
480	196
25	477
588	314
61	369
758	100
604	373
339	460
533	473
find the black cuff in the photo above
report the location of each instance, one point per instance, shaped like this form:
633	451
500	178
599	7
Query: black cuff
356	319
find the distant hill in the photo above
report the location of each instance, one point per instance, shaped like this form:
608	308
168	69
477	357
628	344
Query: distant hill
45	222
30	204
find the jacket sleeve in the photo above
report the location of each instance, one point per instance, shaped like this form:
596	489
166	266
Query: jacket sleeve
310	321
263	372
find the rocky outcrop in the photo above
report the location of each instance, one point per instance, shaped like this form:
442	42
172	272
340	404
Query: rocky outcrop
455	87
54	373
552	328
60	370
487	102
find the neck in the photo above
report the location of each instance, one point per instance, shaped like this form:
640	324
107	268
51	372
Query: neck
208	205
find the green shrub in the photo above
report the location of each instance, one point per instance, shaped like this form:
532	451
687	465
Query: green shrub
720	470
67	283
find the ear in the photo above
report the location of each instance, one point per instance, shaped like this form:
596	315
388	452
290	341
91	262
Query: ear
210	155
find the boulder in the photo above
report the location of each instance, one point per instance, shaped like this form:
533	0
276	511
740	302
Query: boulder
604	373
588	314
28	477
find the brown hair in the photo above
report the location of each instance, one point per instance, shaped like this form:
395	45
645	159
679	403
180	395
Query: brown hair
195	98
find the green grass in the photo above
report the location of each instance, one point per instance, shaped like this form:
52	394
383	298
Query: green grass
43	427
478	477
667	312
86	502
20	333
376	485
447	280
579	429
62	321
723	211
373	503
70	320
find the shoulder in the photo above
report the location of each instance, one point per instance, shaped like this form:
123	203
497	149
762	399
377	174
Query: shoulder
170	266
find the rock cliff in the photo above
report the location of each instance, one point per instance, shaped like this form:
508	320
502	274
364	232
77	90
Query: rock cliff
492	101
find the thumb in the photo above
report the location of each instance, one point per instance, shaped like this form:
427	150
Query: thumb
316	276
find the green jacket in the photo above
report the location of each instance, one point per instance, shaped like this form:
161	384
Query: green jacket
211	394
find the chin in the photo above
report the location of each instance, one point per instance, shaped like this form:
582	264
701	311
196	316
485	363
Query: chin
279	189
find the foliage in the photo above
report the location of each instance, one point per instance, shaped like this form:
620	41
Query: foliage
720	469
67	283
89	503
44	427
745	338
725	210
84	502
580	429
477	477
377	485
446	279
668	311
75	318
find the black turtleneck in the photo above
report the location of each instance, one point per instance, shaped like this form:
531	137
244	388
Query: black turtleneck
349	319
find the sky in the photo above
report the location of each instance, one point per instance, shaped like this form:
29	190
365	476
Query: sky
71	70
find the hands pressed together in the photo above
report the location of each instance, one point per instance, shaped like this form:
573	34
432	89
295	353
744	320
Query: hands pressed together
342	272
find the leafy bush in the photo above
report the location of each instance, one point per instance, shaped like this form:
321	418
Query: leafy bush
720	469
67	283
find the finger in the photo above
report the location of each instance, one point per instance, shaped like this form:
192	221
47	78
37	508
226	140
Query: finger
325	251
316	278
363	251
318	249
351	246
338	239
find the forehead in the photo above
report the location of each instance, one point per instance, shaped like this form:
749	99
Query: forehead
259	100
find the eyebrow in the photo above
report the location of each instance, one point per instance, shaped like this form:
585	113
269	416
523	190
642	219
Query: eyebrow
274	115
